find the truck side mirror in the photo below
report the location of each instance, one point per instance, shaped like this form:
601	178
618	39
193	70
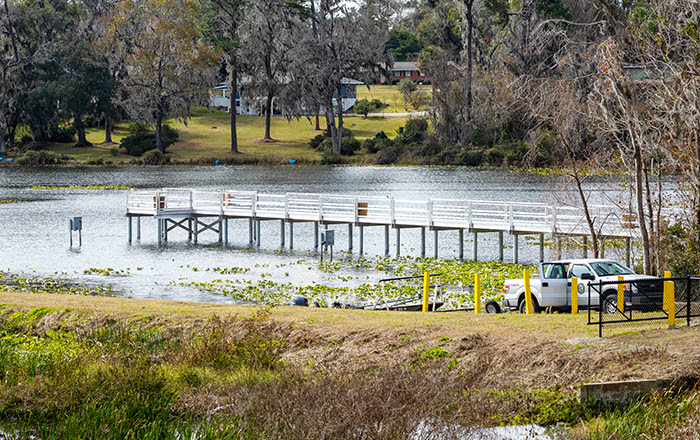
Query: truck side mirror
587	276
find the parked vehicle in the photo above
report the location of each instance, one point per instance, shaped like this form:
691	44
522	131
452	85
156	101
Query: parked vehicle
552	287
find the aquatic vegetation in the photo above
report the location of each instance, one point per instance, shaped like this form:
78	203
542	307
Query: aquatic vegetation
455	282
7	201
15	283
106	272
89	187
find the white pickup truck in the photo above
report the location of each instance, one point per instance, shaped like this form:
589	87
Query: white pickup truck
552	286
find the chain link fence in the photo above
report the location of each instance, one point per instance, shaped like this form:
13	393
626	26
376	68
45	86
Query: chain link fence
646	302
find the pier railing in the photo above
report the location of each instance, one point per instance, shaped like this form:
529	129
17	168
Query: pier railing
476	215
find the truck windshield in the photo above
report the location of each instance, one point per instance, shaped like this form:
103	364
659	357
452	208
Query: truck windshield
605	268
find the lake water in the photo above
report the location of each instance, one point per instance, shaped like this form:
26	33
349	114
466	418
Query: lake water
34	235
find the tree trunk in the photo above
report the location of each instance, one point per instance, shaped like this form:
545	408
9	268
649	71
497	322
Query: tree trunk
330	121
233	94
268	114
470	24
339	131
2	140
159	133
80	131
318	126
108	131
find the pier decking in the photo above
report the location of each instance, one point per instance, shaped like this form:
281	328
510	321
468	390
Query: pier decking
199	211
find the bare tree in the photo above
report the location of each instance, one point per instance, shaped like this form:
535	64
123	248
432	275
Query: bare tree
340	42
224	33
560	106
267	50
168	67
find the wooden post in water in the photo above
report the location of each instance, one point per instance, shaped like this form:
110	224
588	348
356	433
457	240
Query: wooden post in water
315	236
398	241
386	240
138	228
436	244
71	233
422	242
250	232
291	235
515	248
350	237
362	240
282	234
500	245
475	251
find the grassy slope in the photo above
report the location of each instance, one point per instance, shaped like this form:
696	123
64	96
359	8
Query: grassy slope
207	134
358	367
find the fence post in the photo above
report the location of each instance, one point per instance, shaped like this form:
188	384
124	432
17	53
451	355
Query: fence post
600	307
528	295
620	294
670	299
574	296
687	307
426	290
477	293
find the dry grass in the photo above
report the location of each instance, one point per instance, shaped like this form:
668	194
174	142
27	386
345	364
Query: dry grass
306	373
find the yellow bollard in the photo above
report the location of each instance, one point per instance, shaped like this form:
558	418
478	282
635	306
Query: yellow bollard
621	294
426	290
528	294
574	296
477	293
670	299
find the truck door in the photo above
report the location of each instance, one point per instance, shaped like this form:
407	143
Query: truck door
577	270
554	285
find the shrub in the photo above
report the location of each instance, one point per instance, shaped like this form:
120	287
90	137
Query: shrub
330	158
378	103
63	134
388	155
414	131
471	158
378	143
154	157
323	143
39	158
139	143
363	107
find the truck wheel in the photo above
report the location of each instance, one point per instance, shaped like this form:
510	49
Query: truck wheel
535	306
610	303
492	307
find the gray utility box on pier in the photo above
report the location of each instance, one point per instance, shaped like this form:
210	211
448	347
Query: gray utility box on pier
328	238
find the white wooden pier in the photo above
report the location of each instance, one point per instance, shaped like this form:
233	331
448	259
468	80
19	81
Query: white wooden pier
200	211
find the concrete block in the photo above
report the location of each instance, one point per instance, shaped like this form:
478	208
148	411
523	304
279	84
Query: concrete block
620	392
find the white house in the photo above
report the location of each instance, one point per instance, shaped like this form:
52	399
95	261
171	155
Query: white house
221	98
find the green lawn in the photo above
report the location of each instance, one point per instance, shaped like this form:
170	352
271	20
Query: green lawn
390	95
207	135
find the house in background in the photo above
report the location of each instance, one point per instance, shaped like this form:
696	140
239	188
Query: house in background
220	97
404	70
